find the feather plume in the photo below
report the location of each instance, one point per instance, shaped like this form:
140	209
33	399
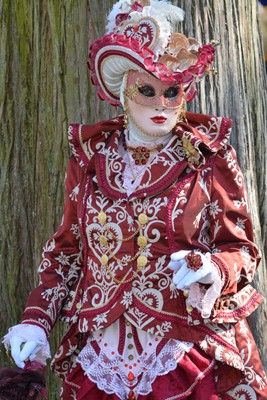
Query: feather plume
122	6
172	13
163	8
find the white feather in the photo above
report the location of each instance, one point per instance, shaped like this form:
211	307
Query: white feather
161	8
172	13
118	8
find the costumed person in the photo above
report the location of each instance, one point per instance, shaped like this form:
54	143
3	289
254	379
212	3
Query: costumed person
152	265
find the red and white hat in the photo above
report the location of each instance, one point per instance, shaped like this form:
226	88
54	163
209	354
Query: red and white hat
140	36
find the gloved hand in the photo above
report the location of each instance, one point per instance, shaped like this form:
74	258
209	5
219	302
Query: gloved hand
190	270
184	276
21	350
26	341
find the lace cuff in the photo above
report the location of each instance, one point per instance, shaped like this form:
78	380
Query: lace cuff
29	332
203	299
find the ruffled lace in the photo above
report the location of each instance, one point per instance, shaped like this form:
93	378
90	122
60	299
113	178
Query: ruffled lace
133	173
28	332
114	373
203	299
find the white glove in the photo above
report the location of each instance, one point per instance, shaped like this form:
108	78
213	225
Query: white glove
184	277
21	350
27	342
198	297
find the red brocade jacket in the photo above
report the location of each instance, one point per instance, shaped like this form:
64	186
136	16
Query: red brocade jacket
193	196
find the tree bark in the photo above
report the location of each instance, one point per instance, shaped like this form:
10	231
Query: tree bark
45	85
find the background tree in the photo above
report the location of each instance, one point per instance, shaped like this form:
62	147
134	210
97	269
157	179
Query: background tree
44	85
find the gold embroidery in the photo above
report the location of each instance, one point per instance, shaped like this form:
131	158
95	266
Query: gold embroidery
132	91
190	151
141	240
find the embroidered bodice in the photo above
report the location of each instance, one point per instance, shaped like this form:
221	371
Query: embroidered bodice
121	357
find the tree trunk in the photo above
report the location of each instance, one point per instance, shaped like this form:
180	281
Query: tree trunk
44	86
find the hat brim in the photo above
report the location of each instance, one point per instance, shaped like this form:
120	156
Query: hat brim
113	55
109	63
112	65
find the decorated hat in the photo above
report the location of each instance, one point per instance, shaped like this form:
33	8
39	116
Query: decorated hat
141	36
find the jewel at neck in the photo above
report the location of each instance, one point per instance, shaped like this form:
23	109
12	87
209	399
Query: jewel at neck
141	154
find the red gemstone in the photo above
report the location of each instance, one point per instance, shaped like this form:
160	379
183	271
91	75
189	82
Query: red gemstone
131	376
194	261
131	395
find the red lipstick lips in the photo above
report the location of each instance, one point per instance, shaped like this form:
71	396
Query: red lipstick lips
159	120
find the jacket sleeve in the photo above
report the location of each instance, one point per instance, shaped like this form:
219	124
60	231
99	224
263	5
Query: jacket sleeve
231	232
61	260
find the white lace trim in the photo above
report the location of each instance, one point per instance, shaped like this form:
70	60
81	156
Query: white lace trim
204	299
133	173
28	332
111	370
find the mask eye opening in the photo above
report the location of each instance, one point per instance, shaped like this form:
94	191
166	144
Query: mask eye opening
172	92
147	90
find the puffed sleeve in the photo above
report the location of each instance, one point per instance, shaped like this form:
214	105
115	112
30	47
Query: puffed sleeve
61	260
231	232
